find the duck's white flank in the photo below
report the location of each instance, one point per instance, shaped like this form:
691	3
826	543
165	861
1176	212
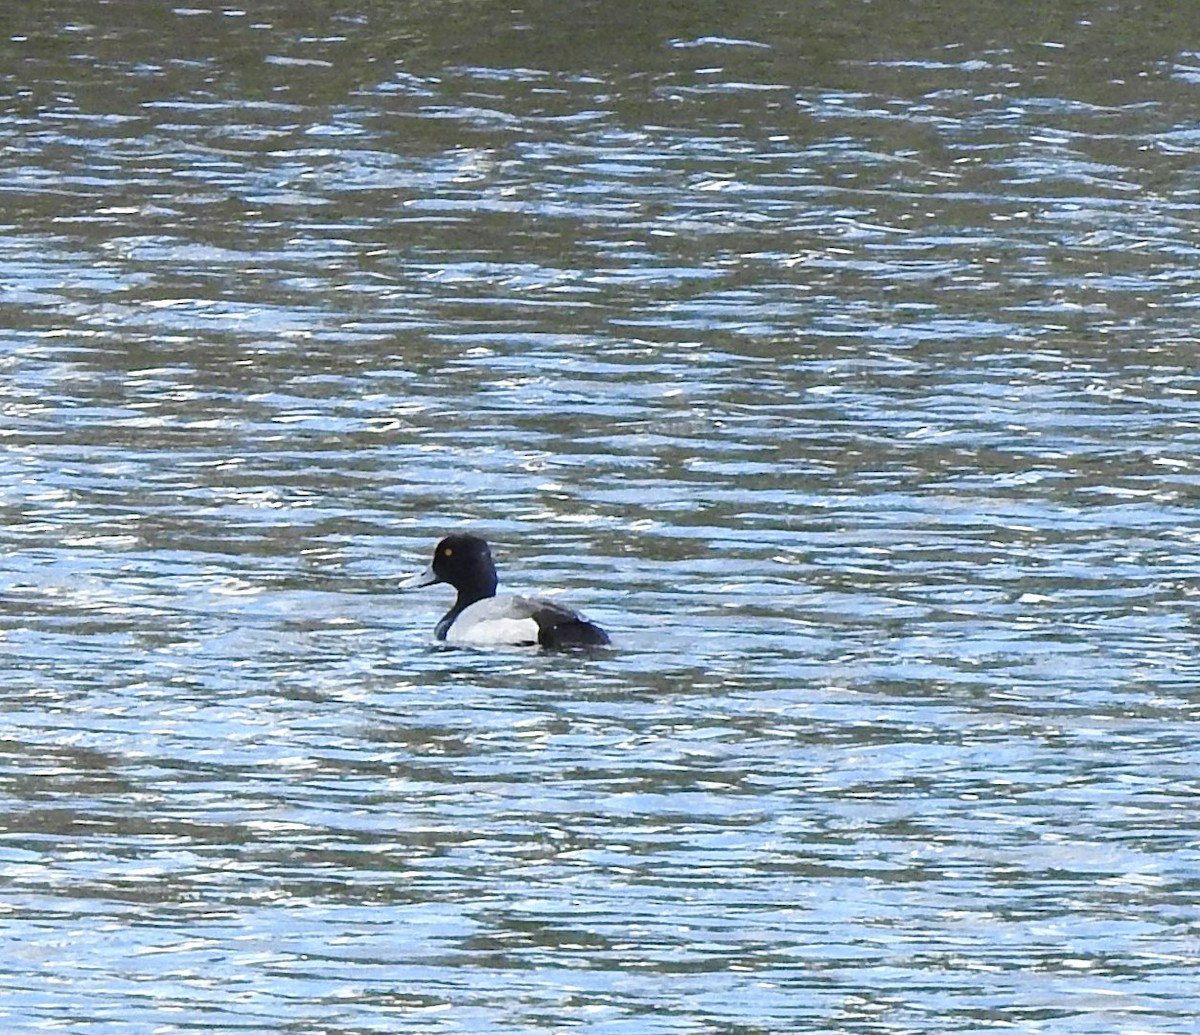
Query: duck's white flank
496	621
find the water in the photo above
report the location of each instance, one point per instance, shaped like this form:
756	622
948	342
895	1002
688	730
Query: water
839	359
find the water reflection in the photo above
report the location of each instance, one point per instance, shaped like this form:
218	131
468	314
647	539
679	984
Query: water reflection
845	376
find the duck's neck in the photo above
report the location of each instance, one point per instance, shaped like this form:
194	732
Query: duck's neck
467	595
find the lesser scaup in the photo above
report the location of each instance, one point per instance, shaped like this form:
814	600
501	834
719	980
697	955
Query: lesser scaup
481	618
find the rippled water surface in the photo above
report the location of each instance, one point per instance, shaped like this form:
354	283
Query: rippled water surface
840	359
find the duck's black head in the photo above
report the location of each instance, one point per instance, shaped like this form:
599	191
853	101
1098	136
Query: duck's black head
463	561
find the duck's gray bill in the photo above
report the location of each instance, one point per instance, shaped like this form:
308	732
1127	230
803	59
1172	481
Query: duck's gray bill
423	578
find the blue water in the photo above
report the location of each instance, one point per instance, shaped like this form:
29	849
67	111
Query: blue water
840	362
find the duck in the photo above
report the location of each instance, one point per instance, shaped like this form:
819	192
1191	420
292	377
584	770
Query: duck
482	619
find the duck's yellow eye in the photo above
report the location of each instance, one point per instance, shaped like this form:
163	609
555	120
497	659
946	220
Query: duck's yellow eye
448	552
